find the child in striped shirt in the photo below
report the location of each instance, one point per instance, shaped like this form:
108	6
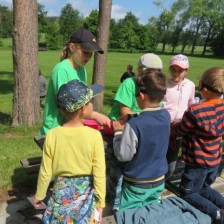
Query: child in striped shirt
202	128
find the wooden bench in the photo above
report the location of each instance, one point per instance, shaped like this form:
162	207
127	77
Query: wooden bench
42	46
172	184
32	165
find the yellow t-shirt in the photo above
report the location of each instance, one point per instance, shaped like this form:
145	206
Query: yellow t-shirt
71	151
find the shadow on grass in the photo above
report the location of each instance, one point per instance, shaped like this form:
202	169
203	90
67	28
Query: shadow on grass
23	184
6	86
6	73
5	118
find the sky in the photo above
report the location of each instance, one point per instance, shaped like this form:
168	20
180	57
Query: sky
142	9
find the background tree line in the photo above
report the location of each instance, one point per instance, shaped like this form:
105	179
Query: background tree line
189	23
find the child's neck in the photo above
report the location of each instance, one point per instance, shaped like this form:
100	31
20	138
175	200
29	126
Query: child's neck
177	81
213	98
150	104
74	64
74	122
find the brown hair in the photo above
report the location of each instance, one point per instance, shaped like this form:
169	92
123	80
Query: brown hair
66	52
214	78
153	83
130	67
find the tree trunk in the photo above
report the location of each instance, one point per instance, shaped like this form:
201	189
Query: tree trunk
182	49
163	48
26	99
207	40
198	25
100	59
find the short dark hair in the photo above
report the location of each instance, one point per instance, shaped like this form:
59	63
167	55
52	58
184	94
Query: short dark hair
153	83
130	67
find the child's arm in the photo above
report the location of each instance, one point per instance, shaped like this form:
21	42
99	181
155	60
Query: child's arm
124	143
183	127
124	110
192	96
45	173
99	170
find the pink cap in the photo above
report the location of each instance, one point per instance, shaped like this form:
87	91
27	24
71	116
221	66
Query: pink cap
180	60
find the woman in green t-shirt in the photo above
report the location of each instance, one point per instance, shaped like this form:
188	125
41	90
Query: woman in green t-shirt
75	55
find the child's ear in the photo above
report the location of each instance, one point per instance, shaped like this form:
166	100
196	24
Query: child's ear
142	96
83	109
73	47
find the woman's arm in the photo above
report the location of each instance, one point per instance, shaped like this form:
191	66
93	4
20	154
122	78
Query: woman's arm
101	119
124	110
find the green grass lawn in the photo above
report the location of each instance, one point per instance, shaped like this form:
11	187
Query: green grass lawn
17	142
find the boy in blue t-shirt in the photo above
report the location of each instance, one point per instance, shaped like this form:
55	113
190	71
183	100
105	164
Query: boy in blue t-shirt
141	144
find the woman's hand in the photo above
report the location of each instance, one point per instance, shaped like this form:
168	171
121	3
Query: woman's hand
102	119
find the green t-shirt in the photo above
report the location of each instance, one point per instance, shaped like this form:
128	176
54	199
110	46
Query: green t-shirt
62	73
125	95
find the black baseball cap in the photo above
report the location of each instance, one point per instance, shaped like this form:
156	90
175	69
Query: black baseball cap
86	39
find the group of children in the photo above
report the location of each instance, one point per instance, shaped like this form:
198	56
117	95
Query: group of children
152	115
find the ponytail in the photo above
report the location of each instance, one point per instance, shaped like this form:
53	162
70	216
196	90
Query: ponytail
65	51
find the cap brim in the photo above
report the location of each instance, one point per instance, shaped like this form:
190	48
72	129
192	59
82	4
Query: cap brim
179	65
97	89
92	47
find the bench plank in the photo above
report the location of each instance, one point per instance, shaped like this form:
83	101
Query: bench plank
30	161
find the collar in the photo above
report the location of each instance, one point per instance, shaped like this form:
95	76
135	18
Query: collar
216	101
151	109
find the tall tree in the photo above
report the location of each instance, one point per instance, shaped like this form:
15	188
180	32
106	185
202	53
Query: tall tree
26	103
91	22
102	38
5	22
164	24
217	43
197	13
213	20
128	35
69	21
52	35
42	19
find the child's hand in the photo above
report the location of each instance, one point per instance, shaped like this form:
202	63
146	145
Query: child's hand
98	215
175	122
36	202
118	125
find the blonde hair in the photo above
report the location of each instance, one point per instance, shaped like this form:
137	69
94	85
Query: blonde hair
214	77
